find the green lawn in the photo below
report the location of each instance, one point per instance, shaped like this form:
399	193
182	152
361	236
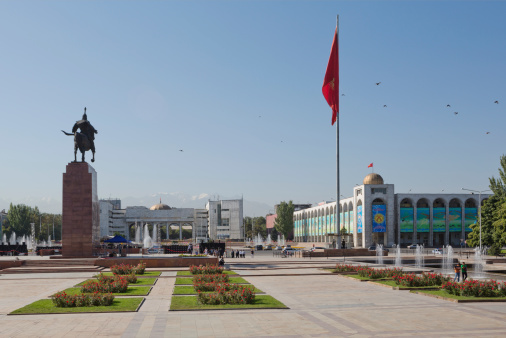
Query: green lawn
188	273
131	291
236	280
444	294
190	303
140	281
46	306
189	290
146	274
393	284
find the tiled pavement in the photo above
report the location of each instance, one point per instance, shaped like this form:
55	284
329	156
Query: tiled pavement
320	306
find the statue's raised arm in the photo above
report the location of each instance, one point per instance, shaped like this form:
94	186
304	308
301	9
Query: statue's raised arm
84	139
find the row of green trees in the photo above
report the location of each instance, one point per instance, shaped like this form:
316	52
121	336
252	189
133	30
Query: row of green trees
282	225
20	216
493	215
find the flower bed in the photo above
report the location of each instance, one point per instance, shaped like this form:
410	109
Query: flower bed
127	269
206	270
236	295
61	299
211	278
213	286
116	284
131	278
371	273
425	279
346	268
476	288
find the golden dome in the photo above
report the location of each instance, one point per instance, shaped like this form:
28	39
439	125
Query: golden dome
373	178
160	206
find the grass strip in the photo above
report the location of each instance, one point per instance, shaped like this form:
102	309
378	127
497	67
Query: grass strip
232	280
188	273
44	306
367	278
190	303
146	274
140	281
131	291
189	290
394	285
444	294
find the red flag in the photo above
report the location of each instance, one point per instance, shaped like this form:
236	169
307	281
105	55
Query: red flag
369	166
330	87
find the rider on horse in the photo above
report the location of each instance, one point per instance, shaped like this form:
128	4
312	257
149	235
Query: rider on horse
87	129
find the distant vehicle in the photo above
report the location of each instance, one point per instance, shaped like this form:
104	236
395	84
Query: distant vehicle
317	248
268	247
412	246
155	250
259	247
278	248
437	252
288	251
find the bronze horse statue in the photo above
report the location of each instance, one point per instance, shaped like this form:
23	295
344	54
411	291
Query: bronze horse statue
83	140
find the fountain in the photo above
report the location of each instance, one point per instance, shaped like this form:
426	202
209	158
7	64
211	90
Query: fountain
13	239
259	240
148	243
479	262
49	241
268	241
419	262
447	264
379	254
398	260
4	239
137	233
155	233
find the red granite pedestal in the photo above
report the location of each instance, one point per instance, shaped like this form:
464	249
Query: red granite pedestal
81	211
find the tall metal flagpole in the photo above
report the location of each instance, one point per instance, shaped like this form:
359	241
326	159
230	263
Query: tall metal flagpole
338	220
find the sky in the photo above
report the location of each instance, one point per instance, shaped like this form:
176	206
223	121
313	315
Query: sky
237	86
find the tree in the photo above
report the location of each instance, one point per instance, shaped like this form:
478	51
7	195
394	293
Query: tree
20	216
284	219
248	227
274	234
259	227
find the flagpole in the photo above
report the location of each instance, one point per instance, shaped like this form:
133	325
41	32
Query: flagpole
338	198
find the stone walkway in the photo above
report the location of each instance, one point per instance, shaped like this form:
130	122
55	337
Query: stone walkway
320	306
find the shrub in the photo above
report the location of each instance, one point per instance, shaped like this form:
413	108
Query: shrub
346	268
139	269
121	269
213	286
425	279
238	295
206	270
117	284
210	279
451	287
378	273
61	299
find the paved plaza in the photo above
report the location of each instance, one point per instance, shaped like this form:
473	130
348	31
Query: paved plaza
321	305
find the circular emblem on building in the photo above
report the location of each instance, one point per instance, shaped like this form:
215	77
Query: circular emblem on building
378	218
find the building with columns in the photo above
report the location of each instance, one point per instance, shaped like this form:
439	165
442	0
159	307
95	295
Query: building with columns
375	214
219	220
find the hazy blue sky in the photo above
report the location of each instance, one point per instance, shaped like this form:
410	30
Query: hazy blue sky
237	86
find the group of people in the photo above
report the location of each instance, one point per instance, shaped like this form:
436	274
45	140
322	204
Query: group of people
460	268
238	254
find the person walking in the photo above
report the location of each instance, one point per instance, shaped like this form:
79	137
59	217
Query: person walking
463	268
232	254
252	253
457	273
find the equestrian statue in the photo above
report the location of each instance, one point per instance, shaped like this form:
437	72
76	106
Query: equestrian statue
83	140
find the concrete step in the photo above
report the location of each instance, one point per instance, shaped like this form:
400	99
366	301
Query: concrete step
60	262
51	270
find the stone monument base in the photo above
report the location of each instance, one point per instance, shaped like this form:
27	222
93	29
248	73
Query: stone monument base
80	211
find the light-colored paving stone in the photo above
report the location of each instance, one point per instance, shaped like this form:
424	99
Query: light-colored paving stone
320	306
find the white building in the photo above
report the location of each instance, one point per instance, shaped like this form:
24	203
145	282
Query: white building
219	220
376	214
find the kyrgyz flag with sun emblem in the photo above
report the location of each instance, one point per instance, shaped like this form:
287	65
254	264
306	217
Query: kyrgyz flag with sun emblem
379	218
330	87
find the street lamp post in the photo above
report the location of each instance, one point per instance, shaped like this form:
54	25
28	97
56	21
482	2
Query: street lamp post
479	206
